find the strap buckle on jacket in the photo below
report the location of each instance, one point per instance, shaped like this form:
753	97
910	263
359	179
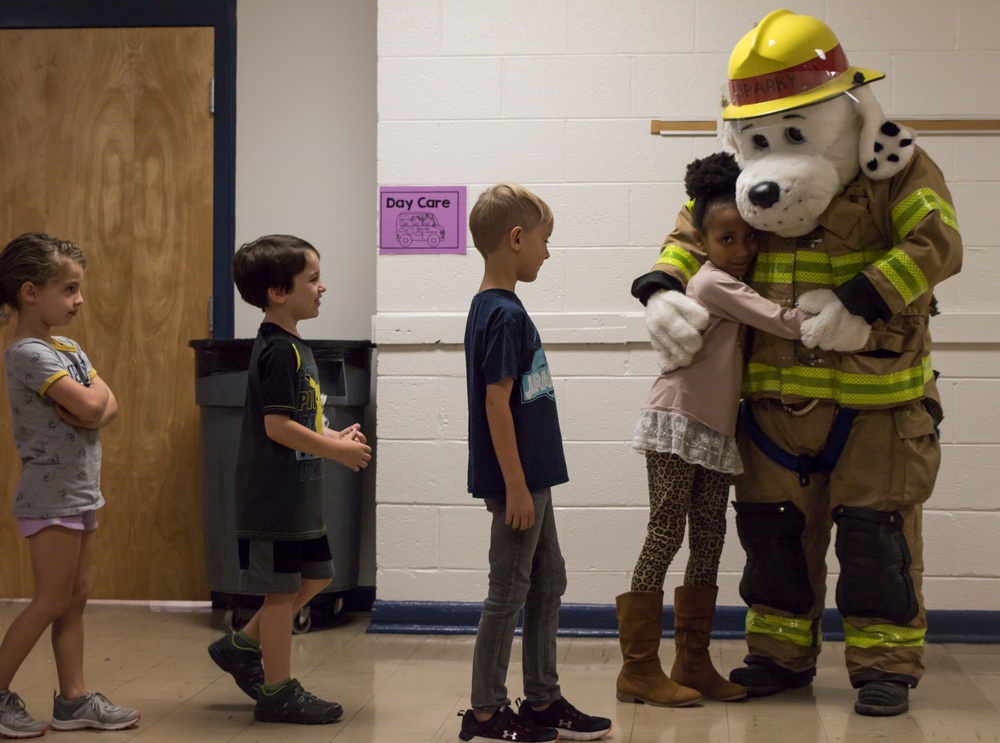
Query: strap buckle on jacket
803	464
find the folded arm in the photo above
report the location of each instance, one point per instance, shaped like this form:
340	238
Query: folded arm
85	407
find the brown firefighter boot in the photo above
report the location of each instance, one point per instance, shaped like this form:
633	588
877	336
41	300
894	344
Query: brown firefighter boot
642	680
694	607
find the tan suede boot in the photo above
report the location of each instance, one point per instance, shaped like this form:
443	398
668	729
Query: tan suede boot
694	607
642	680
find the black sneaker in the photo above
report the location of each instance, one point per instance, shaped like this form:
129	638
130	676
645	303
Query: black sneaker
292	703
567	720
243	663
504	725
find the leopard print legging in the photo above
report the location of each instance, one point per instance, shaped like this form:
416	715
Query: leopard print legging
680	492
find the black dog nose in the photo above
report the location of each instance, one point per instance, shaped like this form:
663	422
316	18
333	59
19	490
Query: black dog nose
765	195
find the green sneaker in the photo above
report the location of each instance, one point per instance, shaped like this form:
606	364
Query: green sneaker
15	722
292	703
91	710
244	664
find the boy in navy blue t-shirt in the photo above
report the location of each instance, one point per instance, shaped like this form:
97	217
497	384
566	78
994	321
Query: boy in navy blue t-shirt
515	457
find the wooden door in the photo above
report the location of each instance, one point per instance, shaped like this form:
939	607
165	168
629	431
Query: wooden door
106	140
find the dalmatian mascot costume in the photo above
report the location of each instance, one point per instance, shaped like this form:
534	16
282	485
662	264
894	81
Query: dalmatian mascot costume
841	428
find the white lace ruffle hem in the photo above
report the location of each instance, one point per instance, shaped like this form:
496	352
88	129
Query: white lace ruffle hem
669	432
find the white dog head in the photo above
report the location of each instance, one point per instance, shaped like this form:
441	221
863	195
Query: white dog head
802	122
794	162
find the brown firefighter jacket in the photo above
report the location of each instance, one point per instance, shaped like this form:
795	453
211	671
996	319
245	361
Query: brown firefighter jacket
882	246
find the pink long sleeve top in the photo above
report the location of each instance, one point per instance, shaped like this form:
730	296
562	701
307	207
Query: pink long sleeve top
708	391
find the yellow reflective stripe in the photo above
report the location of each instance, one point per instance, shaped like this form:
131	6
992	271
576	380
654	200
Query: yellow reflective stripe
846	266
675	255
813	267
804	266
788	629
918	205
903	274
773	268
845	388
883	635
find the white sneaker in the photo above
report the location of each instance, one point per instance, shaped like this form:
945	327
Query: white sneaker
15	722
92	710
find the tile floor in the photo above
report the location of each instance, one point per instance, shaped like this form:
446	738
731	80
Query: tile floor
409	688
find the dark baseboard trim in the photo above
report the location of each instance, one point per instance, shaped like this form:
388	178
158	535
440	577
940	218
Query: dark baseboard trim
598	620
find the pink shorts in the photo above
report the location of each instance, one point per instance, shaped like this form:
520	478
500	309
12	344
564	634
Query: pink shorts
86	521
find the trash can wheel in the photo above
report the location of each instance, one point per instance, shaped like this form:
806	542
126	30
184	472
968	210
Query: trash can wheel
335	609
302	622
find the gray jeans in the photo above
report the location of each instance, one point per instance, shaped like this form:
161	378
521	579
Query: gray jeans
526	570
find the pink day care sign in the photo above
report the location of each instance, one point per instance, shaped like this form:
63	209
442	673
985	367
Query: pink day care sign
422	219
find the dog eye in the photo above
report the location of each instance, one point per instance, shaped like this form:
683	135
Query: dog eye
795	135
760	141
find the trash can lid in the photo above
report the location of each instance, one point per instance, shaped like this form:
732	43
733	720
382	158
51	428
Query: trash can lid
224	355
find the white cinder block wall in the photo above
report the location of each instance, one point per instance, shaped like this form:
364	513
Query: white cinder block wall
558	95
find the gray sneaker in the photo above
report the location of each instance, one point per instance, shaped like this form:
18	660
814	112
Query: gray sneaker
15	722
92	710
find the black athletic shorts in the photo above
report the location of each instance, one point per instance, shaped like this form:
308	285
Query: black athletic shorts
279	566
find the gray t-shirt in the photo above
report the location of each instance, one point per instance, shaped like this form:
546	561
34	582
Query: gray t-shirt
61	464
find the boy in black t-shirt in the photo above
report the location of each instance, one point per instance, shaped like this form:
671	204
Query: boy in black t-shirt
515	457
283	550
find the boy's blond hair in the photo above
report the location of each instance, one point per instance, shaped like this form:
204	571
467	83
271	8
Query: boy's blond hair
501	208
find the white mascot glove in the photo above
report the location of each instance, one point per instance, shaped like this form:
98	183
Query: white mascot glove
675	322
833	327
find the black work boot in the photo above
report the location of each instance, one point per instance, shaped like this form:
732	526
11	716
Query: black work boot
763	677
882	698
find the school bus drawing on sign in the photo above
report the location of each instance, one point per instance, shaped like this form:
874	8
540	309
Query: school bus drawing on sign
422	227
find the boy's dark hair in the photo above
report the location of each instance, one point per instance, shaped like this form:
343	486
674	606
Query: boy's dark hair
36	258
269	262
710	180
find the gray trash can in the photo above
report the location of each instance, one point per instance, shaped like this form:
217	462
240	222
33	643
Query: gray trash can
220	391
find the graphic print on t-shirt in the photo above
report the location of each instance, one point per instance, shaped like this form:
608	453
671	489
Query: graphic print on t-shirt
537	382
307	413
77	373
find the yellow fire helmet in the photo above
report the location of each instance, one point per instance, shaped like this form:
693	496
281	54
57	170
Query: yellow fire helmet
788	61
